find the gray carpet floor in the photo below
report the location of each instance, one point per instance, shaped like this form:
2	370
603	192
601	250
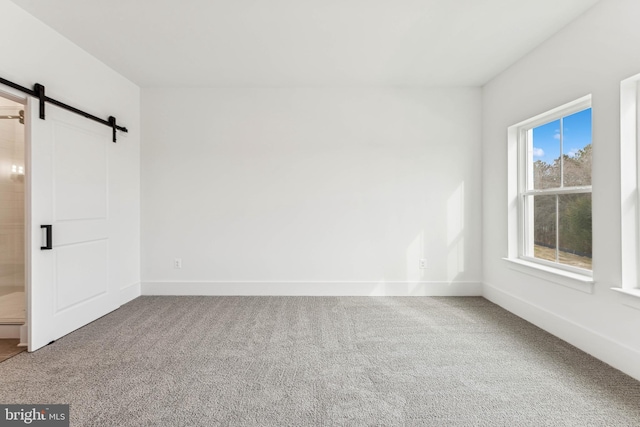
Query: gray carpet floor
319	361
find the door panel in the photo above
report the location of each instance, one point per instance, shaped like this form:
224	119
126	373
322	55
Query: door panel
79	173
69	232
81	273
69	173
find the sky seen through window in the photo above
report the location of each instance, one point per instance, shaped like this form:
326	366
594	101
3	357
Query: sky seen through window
576	136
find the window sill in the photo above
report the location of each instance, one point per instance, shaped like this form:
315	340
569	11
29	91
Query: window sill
568	279
631	297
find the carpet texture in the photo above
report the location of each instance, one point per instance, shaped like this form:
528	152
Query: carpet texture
320	361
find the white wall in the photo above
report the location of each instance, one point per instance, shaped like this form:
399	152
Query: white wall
33	52
591	55
311	191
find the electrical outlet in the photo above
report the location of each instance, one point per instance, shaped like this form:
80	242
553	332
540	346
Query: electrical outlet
177	263
423	263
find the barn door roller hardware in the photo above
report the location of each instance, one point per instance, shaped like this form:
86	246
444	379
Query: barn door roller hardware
39	92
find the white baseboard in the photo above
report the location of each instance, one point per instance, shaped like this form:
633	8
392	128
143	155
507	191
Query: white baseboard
10	331
130	293
599	346
314	288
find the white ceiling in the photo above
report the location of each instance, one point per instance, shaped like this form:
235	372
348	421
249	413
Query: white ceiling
246	43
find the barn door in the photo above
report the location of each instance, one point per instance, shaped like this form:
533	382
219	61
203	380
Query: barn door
69	224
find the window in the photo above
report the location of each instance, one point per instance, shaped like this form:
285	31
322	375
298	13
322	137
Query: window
630	185
554	152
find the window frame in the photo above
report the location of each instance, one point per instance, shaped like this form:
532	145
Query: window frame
520	220
630	186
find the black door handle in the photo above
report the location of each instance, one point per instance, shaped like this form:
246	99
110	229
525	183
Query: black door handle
49	238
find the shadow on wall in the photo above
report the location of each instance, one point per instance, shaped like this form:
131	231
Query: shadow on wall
451	267
455	234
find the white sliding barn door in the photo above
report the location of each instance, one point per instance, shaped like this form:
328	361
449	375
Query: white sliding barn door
69	171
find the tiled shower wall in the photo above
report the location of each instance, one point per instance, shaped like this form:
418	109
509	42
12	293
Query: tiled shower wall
12	225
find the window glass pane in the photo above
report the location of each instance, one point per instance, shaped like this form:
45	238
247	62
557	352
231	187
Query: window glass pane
576	148
546	156
575	230
544	227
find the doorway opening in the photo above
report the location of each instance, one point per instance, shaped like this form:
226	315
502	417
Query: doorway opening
12	219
